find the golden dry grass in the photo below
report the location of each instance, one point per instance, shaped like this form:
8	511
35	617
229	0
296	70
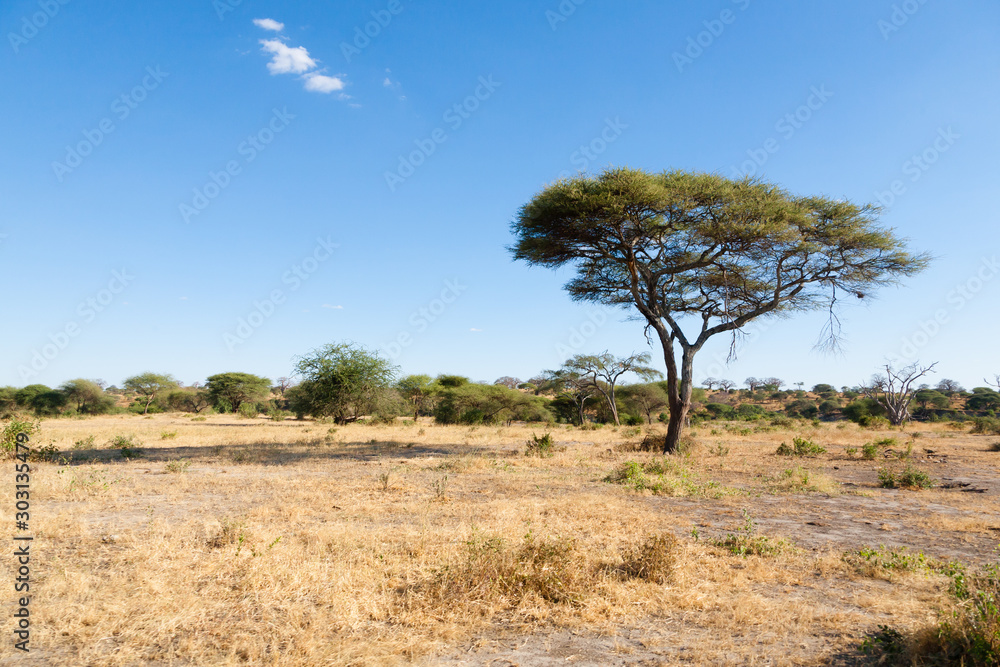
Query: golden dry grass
299	543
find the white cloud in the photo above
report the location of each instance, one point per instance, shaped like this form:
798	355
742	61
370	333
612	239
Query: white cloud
269	24
475	329
326	305
387	82
287	59
320	83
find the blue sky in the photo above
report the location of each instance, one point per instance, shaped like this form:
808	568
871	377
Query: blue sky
168	171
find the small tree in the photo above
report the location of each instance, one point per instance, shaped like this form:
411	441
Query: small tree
88	396
149	386
709	383
282	384
189	399
508	381
773	383
234	389
604	370
344	381
416	389
726	385
646	399
983	398
949	387
925	397
893	390
490	404
572	386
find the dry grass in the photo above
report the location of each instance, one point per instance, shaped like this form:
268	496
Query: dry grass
297	543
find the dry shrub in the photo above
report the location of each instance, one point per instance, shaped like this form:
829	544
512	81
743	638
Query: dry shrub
230	532
494	573
653	560
968	635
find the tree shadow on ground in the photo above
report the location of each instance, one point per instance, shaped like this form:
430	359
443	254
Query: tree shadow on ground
284	454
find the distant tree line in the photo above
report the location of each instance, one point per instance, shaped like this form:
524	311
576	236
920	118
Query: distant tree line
345	382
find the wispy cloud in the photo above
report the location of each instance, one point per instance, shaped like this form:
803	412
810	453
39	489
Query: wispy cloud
320	83
287	59
475	330
269	24
326	305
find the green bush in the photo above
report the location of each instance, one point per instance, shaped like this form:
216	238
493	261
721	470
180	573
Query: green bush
248	411
800	447
127	445
540	447
985	425
750	412
14	426
909	478
746	542
721	410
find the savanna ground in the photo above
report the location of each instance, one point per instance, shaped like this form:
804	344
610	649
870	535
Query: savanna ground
231	541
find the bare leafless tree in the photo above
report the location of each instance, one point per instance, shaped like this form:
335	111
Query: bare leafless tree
893	389
282	384
948	386
995	383
709	383
726	385
777	383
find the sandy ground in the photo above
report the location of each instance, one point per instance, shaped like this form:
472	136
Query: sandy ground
326	478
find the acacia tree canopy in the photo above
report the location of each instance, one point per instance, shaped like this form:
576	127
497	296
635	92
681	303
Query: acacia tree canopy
149	385
235	389
681	247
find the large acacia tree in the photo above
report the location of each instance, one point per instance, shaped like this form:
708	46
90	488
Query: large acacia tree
683	247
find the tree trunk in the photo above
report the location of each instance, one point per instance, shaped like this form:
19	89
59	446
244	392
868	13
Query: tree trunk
679	395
